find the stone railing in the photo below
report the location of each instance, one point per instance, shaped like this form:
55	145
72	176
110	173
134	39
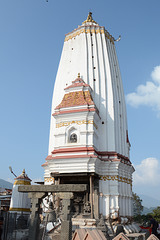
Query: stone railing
134	236
88	234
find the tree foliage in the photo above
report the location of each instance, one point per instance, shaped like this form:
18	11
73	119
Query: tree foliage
137	205
138	208
156	214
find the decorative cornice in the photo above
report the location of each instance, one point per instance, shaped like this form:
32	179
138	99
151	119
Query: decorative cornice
78	122
74	156
88	151
49	157
91	29
113	154
87	109
45	164
76	149
116	178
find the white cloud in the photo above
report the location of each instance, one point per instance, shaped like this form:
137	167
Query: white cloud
148	94
147	173
156	74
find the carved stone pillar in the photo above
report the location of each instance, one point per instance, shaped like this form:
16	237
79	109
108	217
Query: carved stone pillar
36	198
91	194
66	226
96	198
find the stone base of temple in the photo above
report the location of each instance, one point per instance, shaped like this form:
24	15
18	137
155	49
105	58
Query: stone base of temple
108	227
112	228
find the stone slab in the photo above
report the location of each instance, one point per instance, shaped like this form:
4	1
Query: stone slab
54	188
137	236
65	195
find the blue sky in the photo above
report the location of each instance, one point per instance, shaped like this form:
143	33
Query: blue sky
32	33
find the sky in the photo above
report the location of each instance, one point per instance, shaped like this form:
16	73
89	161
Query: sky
32	34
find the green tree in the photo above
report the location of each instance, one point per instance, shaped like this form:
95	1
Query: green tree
137	205
156	214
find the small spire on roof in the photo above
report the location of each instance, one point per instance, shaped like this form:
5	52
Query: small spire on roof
89	18
78	75
23	176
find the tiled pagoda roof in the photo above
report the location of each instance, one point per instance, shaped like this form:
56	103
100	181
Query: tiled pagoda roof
76	98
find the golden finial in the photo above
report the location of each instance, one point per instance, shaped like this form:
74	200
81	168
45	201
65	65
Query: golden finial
89	18
78	75
23	172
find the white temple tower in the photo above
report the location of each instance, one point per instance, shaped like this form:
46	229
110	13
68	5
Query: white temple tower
88	133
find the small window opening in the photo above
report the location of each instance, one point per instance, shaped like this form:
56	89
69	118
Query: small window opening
73	138
102	122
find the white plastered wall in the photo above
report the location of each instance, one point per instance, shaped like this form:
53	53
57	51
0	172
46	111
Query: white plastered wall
115	189
94	57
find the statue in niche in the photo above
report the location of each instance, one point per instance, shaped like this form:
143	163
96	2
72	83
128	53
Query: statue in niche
73	138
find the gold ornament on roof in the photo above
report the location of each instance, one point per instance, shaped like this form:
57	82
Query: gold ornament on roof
78	75
89	18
